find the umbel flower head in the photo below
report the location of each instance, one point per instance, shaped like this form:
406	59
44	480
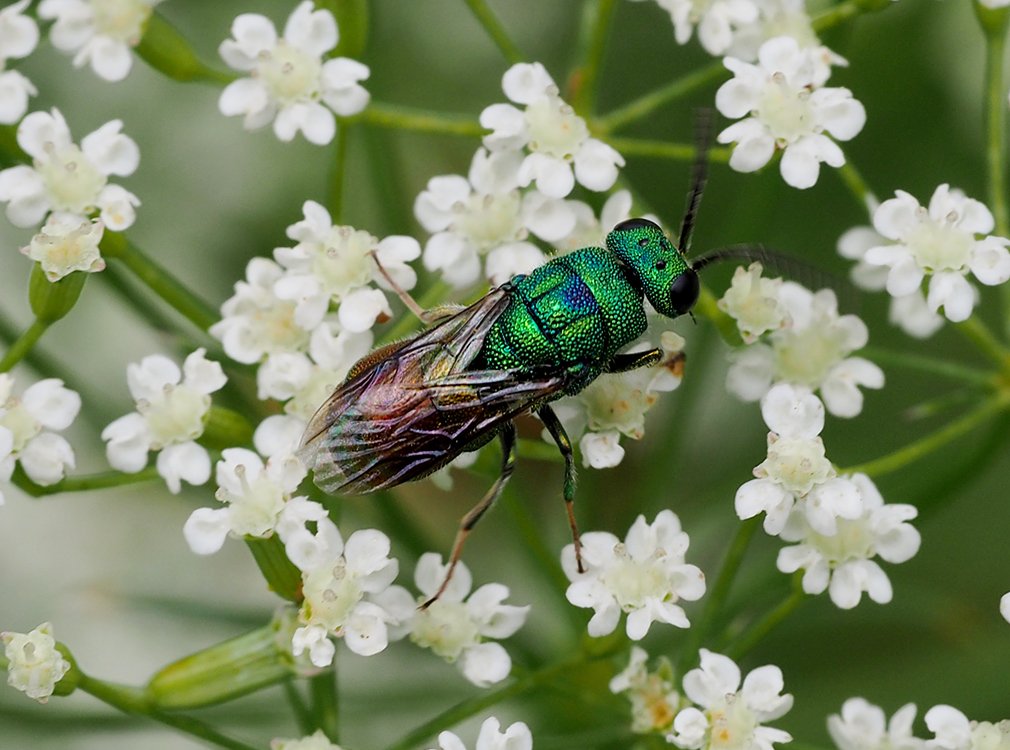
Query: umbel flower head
645	576
99	32
69	178
288	82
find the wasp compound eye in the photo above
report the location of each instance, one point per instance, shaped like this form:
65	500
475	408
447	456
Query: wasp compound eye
684	291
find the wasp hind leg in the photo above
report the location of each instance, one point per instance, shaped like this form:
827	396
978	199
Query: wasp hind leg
557	430
429	316
634	360
508	447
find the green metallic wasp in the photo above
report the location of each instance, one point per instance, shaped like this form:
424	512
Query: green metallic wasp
410	407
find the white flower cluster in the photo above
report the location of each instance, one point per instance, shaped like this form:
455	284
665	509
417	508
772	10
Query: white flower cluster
19	35
289	83
315	741
838	523
796	336
172	411
739	27
516	737
492	211
786	108
727	714
98	33
655	701
35	665
28	427
864	726
944	242
644	576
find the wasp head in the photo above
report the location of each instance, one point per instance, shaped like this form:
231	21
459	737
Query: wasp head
669	283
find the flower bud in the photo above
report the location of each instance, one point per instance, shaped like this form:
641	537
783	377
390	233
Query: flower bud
51	300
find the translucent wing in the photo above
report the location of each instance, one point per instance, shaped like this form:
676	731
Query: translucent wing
411	412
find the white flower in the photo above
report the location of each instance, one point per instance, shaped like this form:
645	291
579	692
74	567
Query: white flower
456	625
65	244
812	351
753	302
516	737
863	726
909	311
557	139
305	381
18	36
288	81
941	242
644	576
730	716
172	408
256	322
717	20
953	731
28	427
786	109
69	178
842	562
590	231
338	264
486	214
34	663
654	700
339	597
1004	606
601	450
254	495
315	741
99	32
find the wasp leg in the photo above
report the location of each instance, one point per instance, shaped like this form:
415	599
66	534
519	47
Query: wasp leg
557	430
634	360
425	316
508	447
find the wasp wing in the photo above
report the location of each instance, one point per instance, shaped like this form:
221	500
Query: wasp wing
413	411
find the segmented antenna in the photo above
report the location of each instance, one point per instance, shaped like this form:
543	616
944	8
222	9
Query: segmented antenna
703	122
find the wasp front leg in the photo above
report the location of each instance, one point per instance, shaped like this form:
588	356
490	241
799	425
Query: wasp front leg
557	430
508	447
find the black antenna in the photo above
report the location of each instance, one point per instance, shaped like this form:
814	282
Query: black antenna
699	176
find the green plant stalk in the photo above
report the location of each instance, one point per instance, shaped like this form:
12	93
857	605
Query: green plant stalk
133	700
836	15
857	185
159	280
400	117
995	124
585	80
326	702
665	150
942	368
744	642
298	708
23	345
98	481
979	334
167	51
934	441
716	598
283	578
494	29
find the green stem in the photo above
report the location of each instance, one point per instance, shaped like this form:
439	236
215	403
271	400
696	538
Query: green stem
98	481
756	632
23	345
419	120
135	701
495	30
916	450
649	103
335	201
665	150
325	703
857	185
298	707
159	280
584	82
473	706
979	334
836	15
167	51
921	363
995	102
716	598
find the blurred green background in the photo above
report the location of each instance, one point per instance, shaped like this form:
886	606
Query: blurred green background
111	569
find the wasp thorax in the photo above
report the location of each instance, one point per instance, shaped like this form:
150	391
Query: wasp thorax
670	285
